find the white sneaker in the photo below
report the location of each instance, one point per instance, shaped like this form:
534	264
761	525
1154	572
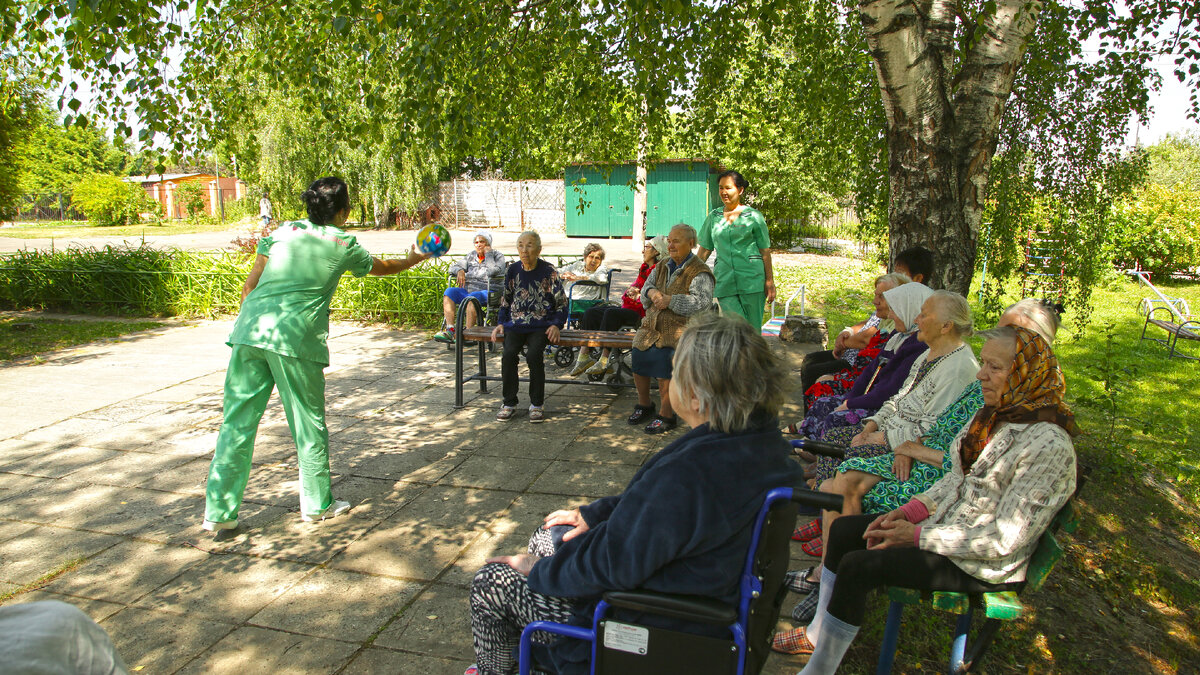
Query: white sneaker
223	525
337	508
582	363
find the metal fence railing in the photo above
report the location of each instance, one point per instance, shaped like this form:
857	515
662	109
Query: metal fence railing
46	206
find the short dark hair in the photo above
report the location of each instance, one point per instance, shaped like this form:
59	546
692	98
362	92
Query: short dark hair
738	179
918	260
326	198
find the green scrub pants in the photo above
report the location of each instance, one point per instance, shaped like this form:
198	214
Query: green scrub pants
747	305
252	374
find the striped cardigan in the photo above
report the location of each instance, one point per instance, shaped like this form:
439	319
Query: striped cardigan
988	522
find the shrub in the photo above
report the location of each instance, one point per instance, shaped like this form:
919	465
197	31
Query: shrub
191	197
1160	231
109	201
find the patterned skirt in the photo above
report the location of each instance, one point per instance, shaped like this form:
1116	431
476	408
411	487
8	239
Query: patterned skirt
827	467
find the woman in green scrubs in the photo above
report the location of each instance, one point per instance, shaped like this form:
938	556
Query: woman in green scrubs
738	233
279	342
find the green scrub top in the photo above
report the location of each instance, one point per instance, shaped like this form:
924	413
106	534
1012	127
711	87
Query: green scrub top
739	268
288	311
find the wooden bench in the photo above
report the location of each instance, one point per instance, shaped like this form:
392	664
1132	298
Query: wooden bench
567	338
1187	329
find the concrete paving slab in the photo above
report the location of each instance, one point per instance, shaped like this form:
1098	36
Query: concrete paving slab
98	610
187	392
395	462
129	469
161	642
586	478
278	484
46	549
60	462
11	529
519	439
70	432
148	514
260	650
14	485
134	436
423	538
186	478
480	471
634	451
132	410
377	661
253	521
437	623
126	571
226	587
365	603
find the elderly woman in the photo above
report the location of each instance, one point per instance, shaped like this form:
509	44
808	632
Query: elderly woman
471	275
679	287
278	340
683	523
590	268
881	484
974	531
533	310
880	380
745	280
630	313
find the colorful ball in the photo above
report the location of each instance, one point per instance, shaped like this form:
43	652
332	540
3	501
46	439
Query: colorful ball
433	239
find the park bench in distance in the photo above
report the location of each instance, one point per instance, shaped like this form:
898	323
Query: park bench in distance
622	340
1188	329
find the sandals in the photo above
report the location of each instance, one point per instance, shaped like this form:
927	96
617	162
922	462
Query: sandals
793	641
797	581
808	532
640	413
661	424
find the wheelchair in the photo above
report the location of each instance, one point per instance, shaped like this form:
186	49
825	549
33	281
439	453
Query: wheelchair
565	356
621	648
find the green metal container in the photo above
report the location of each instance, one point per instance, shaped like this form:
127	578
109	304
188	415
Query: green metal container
599	197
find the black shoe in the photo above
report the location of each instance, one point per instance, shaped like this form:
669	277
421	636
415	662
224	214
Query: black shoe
640	413
662	424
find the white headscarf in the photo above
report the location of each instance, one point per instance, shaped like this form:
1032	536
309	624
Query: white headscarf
905	304
486	236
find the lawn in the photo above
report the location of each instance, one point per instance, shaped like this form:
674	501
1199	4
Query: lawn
80	229
1119	600
28	336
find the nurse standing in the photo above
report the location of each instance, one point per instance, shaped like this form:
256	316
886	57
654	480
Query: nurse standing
738	233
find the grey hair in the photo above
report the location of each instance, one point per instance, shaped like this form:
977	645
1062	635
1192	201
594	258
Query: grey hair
532	234
1042	318
893	278
592	248
954	308
1007	333
687	229
730	369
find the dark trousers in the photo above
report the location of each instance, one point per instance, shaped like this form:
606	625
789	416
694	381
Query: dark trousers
817	364
607	317
535	353
859	571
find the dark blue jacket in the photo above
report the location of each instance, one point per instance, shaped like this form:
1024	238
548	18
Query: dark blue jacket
682	525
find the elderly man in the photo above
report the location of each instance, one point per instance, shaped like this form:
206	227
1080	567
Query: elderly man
678	288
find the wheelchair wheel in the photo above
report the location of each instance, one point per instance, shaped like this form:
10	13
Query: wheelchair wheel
564	357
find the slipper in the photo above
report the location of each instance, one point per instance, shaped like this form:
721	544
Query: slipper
806	610
808	532
814	548
797	581
792	429
794	641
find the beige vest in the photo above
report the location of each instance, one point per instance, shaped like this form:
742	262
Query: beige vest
662	327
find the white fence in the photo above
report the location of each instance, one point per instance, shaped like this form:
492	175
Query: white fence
510	205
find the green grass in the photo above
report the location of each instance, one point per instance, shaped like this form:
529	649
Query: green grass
21	337
1123	598
81	230
43	580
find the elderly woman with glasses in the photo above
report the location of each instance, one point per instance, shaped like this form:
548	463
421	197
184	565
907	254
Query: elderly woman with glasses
682	525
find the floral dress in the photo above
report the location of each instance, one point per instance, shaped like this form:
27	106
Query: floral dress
843	380
828	466
890	493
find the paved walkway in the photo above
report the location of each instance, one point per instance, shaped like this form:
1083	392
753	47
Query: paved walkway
104	451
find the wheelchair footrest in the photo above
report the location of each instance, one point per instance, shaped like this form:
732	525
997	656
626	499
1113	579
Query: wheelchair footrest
626	649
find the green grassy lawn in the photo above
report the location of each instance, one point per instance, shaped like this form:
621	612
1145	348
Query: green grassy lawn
78	229
1122	599
22	336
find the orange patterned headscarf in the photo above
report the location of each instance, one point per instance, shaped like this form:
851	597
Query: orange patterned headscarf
1034	393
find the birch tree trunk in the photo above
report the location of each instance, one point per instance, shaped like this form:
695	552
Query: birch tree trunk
944	84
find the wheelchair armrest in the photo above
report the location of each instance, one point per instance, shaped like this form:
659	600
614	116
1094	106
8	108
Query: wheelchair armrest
686	607
820	448
821	500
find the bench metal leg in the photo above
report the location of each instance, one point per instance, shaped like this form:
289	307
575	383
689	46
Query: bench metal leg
483	367
959	646
891	636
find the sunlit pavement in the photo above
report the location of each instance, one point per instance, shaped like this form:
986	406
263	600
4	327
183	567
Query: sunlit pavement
104	457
